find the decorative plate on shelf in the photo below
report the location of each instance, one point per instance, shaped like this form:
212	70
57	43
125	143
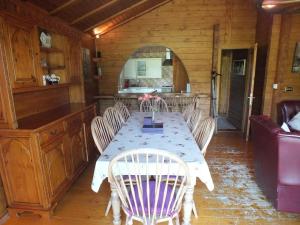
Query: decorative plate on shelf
45	40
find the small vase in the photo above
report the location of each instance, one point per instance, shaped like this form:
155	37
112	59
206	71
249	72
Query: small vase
153	116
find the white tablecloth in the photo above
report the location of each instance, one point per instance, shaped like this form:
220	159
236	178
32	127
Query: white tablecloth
176	138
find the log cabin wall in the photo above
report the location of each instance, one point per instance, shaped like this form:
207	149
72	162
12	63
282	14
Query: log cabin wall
263	34
289	35
186	27
272	58
284	35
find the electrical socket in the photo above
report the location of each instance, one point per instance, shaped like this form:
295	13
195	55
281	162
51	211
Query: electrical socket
288	89
275	86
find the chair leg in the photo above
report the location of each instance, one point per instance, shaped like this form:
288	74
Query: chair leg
177	220
128	220
195	210
108	207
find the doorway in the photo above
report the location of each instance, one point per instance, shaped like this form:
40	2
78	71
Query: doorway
233	89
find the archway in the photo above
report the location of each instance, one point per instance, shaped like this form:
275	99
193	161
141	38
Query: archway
153	69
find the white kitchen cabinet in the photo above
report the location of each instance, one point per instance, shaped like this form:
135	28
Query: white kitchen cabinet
130	70
153	68
143	68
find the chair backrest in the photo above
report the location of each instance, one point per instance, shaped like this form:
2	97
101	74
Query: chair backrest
184	101
187	112
204	133
102	133
122	110
150	183
194	120
113	118
151	104
172	103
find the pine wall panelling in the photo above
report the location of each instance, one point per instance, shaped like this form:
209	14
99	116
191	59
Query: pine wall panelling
285	34
271	64
188	34
263	34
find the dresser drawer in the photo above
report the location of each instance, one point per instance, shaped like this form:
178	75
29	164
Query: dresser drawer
51	133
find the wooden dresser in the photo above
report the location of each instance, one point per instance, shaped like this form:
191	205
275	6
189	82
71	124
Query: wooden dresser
3	204
45	134
40	160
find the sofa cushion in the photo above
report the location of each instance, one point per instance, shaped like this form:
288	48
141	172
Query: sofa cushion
295	122
285	127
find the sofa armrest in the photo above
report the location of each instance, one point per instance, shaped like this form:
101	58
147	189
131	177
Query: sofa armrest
289	158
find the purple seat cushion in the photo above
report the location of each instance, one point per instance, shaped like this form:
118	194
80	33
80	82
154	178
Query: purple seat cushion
160	206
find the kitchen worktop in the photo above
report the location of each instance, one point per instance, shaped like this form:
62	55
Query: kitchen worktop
141	90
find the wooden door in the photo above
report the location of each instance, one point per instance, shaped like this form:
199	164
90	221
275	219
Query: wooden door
55	167
238	85
21	48
253	55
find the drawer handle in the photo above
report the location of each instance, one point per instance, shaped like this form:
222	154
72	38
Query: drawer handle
53	132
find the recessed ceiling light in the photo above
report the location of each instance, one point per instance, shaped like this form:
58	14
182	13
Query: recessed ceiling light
268	6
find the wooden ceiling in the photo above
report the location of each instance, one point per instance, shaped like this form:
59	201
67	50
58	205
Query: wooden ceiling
281	6
97	16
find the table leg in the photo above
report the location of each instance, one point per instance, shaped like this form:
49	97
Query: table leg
188	205
116	205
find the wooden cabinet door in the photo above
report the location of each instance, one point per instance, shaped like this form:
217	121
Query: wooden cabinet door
89	141
19	172
76	143
78	150
74	52
21	51
54	162
3	204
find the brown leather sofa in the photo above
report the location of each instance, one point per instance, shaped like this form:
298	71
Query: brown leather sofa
286	110
277	163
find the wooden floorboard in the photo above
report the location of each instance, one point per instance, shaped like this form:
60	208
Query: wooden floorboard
236	198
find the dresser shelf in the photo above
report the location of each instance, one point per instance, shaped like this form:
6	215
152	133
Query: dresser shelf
40	88
51	50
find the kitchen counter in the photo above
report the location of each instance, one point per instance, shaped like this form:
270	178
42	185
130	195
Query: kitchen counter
136	95
142	90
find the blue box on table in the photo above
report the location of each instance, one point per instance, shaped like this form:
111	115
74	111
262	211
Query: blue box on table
151	127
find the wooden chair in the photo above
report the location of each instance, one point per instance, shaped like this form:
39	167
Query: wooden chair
172	103
187	112
194	120
147	198
122	110
102	133
204	133
150	104
184	101
113	118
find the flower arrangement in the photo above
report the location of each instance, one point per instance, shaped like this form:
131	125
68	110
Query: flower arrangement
148	97
153	106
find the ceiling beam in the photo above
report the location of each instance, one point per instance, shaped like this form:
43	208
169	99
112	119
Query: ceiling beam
92	12
59	8
277	2
291	9
115	15
132	18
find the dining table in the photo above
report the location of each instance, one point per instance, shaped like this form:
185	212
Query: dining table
175	138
